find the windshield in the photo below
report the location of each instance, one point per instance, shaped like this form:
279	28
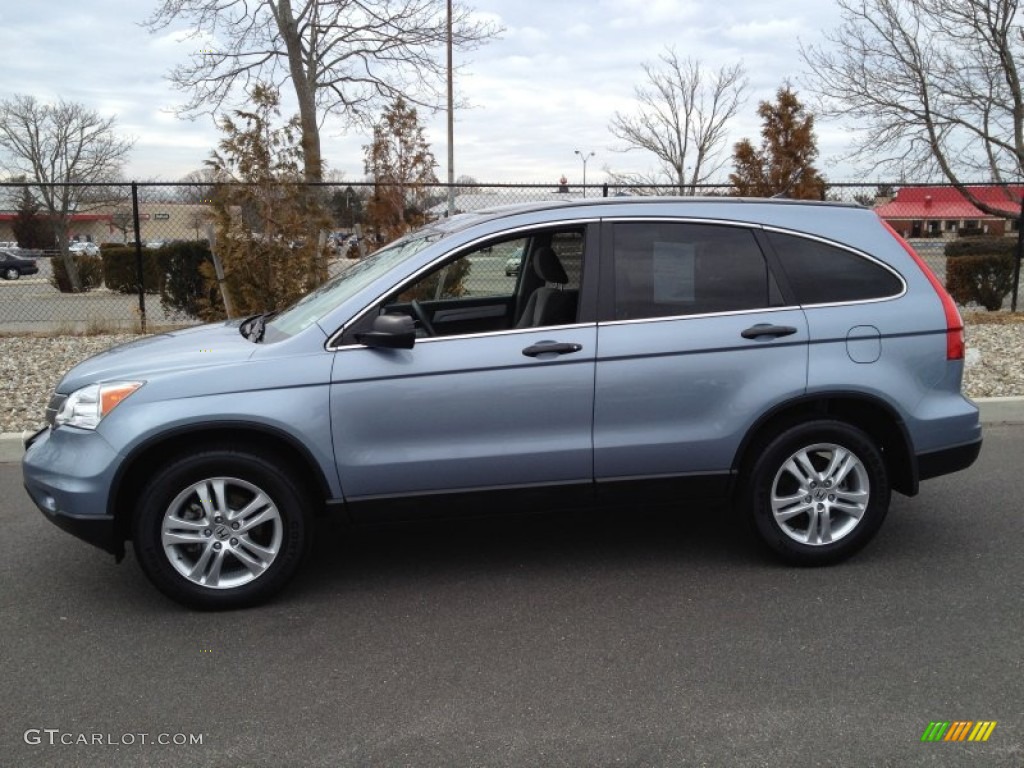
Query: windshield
314	305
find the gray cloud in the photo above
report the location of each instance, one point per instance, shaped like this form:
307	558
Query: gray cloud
548	87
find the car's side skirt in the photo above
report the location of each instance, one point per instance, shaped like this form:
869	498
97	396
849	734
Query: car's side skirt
677	490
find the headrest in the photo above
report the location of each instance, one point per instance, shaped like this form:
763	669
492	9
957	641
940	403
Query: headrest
548	267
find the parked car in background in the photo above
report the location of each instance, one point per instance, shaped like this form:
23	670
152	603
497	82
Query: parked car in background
13	265
89	249
797	360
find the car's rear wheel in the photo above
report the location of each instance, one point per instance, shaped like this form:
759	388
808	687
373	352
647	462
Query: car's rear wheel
221	529
11	274
818	492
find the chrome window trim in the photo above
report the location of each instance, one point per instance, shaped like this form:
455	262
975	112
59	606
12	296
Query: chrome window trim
683	220
536	226
749	225
672	318
769	228
481	334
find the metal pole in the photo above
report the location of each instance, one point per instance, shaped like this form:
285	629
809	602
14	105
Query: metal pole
218	268
451	120
139	276
584	158
1020	252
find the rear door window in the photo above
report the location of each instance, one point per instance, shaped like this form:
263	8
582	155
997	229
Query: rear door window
667	269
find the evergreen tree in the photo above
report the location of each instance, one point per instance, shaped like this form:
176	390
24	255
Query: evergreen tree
401	165
269	224
31	230
784	163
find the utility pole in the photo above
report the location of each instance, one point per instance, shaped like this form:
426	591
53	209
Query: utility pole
451	120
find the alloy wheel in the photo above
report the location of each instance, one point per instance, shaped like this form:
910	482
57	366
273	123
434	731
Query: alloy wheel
820	494
222	532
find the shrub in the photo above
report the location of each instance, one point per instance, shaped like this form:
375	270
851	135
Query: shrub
184	289
971	232
120	272
980	270
90	270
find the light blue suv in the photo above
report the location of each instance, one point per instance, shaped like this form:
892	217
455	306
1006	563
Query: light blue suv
798	359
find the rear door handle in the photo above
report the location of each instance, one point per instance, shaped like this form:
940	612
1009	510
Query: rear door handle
764	329
551	347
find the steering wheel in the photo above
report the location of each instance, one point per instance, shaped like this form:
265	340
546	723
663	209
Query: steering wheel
421	315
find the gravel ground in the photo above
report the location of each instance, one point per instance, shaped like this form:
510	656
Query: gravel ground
31	366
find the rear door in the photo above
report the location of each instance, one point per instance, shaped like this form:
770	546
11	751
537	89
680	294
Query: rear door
695	344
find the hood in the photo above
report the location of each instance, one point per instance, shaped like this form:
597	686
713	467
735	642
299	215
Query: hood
199	347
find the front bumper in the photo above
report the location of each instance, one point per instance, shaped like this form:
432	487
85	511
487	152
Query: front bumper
67	473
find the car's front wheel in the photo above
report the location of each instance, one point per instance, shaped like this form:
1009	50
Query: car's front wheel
818	492
221	529
11	274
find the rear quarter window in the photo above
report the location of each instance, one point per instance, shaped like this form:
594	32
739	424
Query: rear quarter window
820	273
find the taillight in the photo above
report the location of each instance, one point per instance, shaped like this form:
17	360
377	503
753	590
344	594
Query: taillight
954	323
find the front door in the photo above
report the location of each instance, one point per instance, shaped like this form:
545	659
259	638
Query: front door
478	411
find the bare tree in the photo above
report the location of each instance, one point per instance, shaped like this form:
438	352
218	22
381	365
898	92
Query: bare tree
682	118
348	57
61	148
123	220
934	84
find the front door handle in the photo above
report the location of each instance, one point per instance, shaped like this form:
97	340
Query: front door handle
551	347
764	329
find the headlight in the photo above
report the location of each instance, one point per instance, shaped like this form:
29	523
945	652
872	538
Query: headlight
85	407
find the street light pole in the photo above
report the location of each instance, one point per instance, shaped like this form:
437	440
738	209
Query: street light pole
584	158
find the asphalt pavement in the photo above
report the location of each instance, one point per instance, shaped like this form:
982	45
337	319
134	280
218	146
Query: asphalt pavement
643	638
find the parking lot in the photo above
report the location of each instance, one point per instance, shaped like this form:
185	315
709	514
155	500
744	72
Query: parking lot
642	638
33	304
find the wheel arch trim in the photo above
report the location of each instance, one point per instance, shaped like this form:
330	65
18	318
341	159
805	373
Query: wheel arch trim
220	431
901	463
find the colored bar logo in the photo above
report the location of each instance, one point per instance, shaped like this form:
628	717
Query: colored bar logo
959	730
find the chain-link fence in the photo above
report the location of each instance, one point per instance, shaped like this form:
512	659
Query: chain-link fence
143	254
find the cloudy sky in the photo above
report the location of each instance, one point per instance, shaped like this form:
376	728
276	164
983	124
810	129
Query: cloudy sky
548	87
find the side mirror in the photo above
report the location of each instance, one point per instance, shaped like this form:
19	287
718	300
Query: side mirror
389	332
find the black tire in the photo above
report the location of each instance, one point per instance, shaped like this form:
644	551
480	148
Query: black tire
840	517
12	274
173	504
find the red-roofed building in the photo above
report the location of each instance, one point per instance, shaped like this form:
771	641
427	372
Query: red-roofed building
943	211
157	220
81	226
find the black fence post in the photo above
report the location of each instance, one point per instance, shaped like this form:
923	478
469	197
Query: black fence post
604	190
138	257
1020	252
